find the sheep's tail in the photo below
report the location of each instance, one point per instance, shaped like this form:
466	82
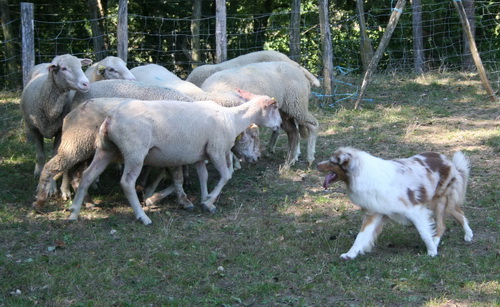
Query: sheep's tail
462	165
103	140
312	79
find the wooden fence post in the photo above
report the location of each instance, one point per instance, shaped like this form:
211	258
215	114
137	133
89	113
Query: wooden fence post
220	31
393	21
122	31
295	31
473	48
327	50
418	39
28	39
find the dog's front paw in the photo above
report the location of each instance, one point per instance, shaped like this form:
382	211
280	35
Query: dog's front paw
468	237
432	253
347	257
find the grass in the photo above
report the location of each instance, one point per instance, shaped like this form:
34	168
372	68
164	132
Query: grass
277	236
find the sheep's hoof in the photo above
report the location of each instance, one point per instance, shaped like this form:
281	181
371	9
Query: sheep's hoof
38	206
145	220
210	209
189	208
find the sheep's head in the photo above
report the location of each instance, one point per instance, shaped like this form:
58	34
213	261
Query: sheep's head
247	145
114	68
68	73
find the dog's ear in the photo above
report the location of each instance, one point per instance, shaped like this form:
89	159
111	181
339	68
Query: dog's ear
345	160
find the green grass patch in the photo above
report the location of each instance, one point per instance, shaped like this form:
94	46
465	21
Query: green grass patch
277	236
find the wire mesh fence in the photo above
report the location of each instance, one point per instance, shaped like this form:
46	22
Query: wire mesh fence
168	40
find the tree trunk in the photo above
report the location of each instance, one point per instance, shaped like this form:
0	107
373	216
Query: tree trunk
467	60
195	31
295	31
418	39
326	40
475	53
122	34
365	42
393	21
96	14
220	31
10	48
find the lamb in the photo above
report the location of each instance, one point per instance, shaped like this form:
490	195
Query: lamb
289	86
110	67
173	134
44	100
201	73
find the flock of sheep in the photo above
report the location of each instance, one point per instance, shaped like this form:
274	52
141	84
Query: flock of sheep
148	117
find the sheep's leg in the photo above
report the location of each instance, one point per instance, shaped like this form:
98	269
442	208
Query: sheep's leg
220	164
143	177
65	191
292	132
178	176
150	189
272	142
102	159
311	141
131	171
201	170
40	151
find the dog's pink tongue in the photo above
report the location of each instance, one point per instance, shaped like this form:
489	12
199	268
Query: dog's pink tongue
329	179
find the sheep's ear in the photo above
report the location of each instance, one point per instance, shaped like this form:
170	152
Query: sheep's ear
86	62
53	67
246	95
272	101
101	69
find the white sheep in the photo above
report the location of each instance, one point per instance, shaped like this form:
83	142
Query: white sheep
201	73
110	67
128	89
289	86
44	101
154	74
80	127
158	75
173	134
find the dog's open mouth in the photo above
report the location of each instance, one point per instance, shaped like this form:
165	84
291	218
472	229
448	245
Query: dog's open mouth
329	179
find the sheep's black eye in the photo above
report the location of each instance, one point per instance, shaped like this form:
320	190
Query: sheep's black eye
111	70
64	68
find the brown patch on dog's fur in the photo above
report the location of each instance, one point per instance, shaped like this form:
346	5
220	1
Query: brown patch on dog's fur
411	196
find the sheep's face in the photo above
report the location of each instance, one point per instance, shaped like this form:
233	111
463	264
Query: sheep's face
272	117
114	68
247	145
68	73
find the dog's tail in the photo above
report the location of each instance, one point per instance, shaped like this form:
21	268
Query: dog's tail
462	165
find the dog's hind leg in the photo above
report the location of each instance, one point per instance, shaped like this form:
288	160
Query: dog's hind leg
421	218
370	229
458	214
439	216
